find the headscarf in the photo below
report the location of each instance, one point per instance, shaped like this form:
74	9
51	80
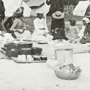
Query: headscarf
86	19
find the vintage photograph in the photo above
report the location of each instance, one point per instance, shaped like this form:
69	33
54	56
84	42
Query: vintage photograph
44	44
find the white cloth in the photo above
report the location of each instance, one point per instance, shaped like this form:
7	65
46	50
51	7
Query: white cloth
86	19
26	35
5	38
81	33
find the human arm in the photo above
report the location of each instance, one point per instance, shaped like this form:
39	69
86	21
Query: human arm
46	28
14	27
36	26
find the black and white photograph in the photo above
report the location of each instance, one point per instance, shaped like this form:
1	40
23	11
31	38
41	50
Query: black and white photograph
44	44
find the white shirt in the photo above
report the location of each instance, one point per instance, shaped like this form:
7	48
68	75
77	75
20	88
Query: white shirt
81	33
40	25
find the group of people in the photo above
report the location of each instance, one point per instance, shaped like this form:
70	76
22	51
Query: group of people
72	34
15	25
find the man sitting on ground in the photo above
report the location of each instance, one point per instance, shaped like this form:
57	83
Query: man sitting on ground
40	26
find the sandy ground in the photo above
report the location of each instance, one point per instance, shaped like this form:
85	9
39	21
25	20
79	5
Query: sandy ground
38	76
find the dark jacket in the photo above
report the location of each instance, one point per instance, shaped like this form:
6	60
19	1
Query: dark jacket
56	5
57	23
87	29
8	23
2	9
86	37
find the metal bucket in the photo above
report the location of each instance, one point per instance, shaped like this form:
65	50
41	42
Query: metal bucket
64	55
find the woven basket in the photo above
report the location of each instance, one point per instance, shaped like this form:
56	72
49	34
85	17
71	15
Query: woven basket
68	75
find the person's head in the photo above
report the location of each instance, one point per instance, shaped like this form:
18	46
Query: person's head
85	21
19	12
72	22
22	8
40	14
58	15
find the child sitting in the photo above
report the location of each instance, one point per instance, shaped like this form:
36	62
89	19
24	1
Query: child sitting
72	31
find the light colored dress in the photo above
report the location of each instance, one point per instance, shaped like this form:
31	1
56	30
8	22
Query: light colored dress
72	32
40	29
19	29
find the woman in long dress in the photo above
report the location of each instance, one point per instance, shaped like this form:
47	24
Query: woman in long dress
19	27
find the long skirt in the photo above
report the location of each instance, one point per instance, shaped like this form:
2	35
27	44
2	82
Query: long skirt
26	35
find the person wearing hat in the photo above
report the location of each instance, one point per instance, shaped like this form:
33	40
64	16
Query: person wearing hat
86	35
40	25
19	27
55	5
72	30
58	22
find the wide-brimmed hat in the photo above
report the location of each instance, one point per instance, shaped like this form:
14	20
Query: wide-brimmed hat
58	15
18	12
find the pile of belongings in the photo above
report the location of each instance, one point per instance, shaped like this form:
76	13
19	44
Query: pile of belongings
43	39
23	52
67	72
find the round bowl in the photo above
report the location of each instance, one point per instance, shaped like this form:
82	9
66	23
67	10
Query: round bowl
67	75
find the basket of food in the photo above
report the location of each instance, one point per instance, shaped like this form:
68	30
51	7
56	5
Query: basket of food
67	72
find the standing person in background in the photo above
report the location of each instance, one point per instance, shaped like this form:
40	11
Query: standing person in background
56	5
2	15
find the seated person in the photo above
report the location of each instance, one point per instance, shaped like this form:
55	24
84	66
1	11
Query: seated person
84	21
40	26
19	27
8	23
86	37
58	22
84	32
72	31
